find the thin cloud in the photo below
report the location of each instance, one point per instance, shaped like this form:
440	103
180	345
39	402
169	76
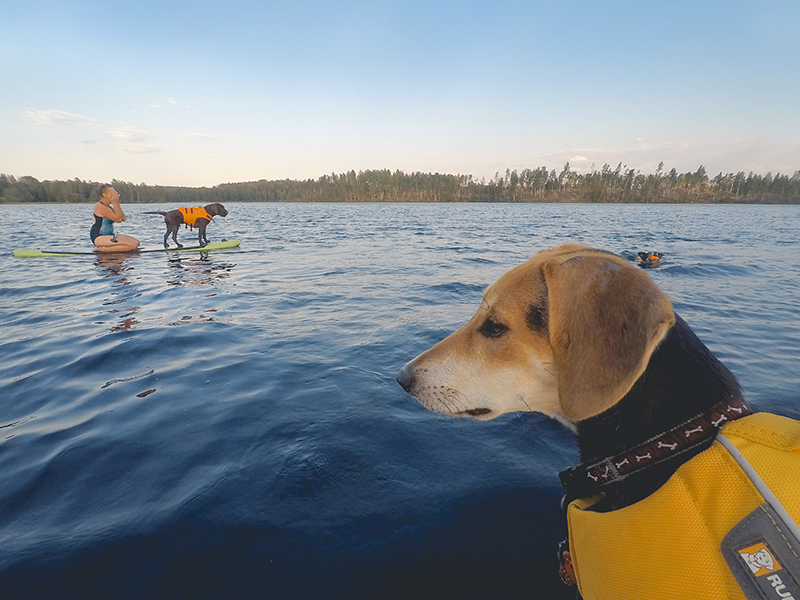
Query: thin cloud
189	135
130	134
140	148
132	140
57	117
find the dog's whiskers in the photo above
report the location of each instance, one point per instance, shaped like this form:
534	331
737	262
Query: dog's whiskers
449	398
443	400
528	406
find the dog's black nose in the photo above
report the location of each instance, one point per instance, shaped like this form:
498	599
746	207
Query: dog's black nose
406	377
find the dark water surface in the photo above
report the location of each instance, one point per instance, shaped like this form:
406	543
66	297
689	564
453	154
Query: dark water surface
276	456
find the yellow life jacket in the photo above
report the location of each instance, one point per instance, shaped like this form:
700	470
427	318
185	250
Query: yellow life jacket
190	215
668	545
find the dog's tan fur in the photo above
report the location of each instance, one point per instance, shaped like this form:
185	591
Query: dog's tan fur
566	334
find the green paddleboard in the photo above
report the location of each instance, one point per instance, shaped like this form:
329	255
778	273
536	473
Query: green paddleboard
30	252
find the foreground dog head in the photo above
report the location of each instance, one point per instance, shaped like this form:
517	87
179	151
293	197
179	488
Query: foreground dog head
566	334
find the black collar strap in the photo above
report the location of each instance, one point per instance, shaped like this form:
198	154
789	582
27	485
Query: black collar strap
590	479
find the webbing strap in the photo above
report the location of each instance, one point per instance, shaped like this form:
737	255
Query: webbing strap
761	486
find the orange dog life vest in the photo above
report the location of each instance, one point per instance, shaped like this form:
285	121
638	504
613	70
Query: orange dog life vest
190	215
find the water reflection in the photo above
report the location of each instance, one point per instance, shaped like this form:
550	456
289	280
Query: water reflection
128	273
114	265
119	267
127	319
197	271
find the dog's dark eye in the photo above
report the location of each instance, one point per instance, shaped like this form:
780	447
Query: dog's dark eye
492	329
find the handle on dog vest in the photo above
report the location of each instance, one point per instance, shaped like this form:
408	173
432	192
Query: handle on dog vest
762	549
761	486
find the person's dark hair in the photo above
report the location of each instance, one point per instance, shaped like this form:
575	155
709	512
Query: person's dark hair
102	189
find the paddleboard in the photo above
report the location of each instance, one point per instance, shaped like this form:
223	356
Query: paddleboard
31	252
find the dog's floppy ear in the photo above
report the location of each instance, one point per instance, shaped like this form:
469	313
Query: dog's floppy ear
606	318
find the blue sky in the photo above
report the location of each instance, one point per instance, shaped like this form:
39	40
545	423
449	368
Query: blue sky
199	93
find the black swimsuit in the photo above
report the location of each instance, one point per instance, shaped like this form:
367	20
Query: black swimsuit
101	226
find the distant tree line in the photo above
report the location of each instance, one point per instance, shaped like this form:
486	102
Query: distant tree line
620	184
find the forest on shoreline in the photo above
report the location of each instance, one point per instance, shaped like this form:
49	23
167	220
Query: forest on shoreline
617	185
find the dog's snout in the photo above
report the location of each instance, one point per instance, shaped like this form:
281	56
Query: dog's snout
406	377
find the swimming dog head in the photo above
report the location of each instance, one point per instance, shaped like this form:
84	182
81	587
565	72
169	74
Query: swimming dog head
566	334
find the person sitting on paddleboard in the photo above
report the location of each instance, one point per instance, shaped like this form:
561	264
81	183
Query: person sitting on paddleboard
107	212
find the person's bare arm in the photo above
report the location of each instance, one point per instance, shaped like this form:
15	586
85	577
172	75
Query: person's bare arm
114	212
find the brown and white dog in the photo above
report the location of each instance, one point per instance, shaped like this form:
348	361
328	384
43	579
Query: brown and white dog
567	334
198	217
585	337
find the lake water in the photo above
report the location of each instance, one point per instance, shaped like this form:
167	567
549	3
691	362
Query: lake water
277	457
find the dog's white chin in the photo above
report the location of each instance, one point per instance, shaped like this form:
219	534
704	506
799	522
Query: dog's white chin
486	414
485	398
455	387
